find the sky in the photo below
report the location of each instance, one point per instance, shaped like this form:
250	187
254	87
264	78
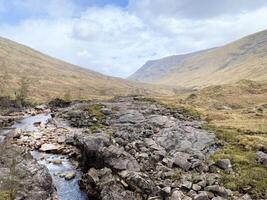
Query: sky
116	37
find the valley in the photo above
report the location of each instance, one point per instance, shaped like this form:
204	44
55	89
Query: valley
187	127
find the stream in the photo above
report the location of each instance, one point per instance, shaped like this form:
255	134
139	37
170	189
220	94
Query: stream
66	190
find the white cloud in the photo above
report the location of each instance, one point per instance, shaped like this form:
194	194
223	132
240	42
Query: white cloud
117	41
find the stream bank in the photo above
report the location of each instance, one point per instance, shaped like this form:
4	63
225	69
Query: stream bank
63	172
130	148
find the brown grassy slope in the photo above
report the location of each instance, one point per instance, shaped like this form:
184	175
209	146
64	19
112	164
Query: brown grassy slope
243	59
50	77
237	114
242	105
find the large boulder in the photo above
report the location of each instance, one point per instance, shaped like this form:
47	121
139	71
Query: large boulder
33	181
97	151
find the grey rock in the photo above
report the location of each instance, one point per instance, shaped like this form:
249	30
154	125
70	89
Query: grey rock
217	190
161	121
106	111
116	192
165	192
138	181
262	157
177	195
196	187
202	196
218	198
181	160
224	164
132	116
101	184
70	176
118	159
36	180
246	197
202	183
50	148
187	185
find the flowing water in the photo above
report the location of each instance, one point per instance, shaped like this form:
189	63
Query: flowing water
66	190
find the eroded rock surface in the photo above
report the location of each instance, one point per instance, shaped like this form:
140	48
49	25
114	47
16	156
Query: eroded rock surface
20	173
147	151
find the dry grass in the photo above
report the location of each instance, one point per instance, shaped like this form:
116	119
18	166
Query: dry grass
51	78
238	115
243	59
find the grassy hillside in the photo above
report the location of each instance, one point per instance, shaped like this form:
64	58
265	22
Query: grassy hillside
237	113
243	59
48	77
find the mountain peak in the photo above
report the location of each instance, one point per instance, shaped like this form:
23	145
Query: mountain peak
243	59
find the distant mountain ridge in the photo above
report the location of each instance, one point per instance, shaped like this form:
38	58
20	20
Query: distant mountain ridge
243	59
50	78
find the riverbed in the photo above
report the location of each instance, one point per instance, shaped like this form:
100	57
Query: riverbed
66	189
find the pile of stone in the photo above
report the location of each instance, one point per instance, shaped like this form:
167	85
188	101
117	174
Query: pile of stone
48	139
153	154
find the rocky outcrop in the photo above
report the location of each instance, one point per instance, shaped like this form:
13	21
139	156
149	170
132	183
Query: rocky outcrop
151	154
22	174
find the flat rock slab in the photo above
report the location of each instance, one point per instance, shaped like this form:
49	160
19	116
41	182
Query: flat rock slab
52	148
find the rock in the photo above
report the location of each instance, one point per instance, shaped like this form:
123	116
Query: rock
106	111
2	139
101	184
176	195
37	135
59	103
119	159
192	193
224	164
70	176
61	140
202	183
212	179
187	185
246	197
217	190
218	198
202	196
37	124
165	192
161	121
132	116
181	160
40	107
70	141
146	145
196	187
262	158
138	181
116	192
57	162
49	148
35	179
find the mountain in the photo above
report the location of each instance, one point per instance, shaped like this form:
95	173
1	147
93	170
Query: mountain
50	78
242	59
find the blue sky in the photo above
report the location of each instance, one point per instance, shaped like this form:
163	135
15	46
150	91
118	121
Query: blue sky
116	37
15	11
